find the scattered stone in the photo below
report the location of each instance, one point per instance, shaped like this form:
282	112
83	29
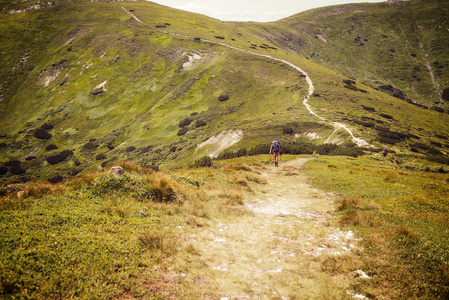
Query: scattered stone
117	170
361	274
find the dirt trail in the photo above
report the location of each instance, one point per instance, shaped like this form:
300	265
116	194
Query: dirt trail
275	251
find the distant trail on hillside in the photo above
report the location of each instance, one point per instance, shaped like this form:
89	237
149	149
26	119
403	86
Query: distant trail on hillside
360	142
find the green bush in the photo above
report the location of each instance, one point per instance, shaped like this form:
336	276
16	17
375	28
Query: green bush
204	161
297	148
148	187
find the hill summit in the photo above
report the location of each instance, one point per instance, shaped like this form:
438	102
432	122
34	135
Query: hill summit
86	84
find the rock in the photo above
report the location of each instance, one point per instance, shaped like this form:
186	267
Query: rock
117	170
361	274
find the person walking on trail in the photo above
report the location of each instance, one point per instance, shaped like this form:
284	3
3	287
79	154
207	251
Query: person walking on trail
276	150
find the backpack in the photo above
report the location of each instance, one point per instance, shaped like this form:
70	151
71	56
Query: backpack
276	146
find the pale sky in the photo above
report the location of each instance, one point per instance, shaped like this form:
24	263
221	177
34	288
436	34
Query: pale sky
252	10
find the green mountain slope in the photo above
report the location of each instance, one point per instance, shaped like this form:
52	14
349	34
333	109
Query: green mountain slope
86	84
398	47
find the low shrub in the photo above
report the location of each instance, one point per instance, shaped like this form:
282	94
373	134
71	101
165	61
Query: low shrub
223	98
242	152
429	149
147	187
200	123
386	116
51	147
441	159
55	179
3	171
385	135
100	156
91	145
42	134
204	161
297	148
47	126
60	157
184	123
151	241
288	130
15	167
183	131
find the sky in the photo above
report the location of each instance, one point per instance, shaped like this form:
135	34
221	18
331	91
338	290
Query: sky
251	10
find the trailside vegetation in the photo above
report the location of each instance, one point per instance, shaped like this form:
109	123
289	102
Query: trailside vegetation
401	216
297	148
105	236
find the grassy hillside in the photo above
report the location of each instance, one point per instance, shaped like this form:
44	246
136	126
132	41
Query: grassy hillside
141	234
106	90
396	48
87	84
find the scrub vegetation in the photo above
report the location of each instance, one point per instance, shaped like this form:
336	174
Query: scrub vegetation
400	211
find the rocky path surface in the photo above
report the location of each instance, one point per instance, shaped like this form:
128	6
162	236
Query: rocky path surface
276	250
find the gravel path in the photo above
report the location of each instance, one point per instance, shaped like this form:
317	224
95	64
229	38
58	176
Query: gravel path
276	250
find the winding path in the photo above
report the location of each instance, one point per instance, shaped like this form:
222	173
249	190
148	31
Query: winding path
337	126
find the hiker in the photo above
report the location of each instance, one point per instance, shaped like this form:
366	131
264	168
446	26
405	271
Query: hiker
385	152
276	150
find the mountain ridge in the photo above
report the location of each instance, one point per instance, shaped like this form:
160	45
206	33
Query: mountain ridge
131	91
